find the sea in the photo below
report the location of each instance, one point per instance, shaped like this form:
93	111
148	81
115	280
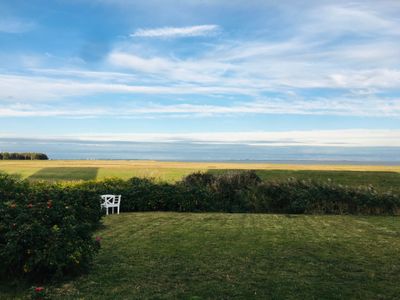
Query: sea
188	151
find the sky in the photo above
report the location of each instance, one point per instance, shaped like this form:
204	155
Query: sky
256	72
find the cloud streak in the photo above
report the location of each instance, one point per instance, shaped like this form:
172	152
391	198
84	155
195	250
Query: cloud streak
335	107
177	32
322	138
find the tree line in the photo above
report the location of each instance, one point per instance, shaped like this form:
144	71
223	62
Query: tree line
23	156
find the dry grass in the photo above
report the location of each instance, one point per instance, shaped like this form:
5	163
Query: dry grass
186	165
385	177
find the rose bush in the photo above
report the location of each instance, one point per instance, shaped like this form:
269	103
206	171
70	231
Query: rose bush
46	229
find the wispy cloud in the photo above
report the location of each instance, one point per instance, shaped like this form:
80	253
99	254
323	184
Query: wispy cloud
13	25
331	138
38	88
335	59
175	32
350	137
351	106
358	18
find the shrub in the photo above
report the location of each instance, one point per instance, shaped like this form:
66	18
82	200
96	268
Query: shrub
302	196
143	194
245	192
225	192
198	179
46	229
232	190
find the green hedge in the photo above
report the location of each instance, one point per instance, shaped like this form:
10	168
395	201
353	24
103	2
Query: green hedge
46	229
245	192
140	194
302	196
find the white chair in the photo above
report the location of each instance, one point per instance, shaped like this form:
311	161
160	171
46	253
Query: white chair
110	201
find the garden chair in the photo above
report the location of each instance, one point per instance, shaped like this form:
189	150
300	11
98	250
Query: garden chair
110	201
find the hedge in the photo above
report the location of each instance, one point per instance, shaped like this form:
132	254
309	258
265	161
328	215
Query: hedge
46	229
246	192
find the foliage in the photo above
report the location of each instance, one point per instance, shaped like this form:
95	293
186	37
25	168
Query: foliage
246	192
23	156
46	229
381	180
38	293
305	196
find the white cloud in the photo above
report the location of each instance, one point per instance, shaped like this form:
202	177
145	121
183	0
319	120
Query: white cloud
352	137
331	138
45	88
318	54
268	71
175	32
351	106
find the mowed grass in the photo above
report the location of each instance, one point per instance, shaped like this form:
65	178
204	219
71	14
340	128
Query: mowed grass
238	256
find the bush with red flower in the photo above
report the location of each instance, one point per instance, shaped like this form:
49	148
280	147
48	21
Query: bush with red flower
39	293
46	230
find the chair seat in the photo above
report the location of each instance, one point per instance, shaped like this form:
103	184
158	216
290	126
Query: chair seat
111	205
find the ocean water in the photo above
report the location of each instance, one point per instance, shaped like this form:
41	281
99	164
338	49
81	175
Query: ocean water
204	152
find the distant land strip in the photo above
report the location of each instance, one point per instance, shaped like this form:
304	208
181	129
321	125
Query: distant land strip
23	156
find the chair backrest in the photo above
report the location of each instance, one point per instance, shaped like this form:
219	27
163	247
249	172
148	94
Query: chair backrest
108	199
117	199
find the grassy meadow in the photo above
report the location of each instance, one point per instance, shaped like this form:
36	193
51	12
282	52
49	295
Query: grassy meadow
166	171
238	256
382	177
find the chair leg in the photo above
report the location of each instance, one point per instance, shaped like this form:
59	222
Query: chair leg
118	210
106	210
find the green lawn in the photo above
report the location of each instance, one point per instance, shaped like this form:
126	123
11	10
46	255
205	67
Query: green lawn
241	256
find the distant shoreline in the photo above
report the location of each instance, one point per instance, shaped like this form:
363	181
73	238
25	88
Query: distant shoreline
211	153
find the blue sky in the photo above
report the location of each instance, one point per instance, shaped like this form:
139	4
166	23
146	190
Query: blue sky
317	73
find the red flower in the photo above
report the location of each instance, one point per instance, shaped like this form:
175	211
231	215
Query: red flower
30	205
49	204
39	289
98	239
